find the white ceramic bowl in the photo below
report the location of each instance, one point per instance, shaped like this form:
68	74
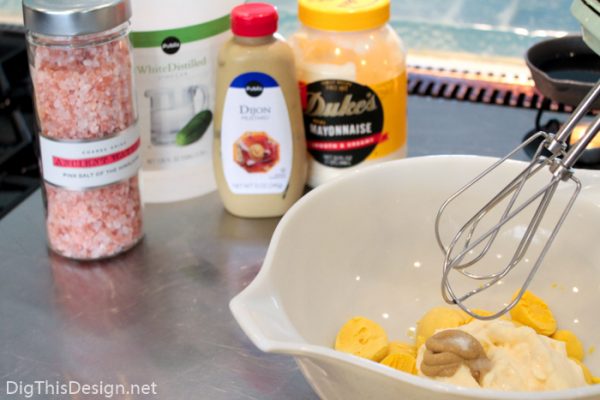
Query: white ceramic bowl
364	245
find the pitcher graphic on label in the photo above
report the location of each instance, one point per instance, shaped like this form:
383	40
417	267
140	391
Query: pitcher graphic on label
173	117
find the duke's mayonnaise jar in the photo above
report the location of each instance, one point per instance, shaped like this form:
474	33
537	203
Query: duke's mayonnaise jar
352	72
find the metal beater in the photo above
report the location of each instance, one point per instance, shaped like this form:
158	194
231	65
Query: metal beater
466	249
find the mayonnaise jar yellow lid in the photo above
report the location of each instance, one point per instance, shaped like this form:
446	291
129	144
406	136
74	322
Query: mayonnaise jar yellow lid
344	15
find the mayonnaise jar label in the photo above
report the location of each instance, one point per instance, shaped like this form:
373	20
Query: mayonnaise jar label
347	123
256	136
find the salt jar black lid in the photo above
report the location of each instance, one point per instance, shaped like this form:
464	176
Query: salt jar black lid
74	17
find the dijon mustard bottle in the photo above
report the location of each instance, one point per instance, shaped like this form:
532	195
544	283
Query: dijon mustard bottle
259	151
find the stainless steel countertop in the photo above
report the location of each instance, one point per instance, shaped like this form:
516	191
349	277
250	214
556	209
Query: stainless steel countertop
159	313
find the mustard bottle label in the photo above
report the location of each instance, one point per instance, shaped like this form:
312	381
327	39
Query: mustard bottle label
347	123
256	136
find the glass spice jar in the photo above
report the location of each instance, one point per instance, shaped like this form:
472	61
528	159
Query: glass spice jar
81	66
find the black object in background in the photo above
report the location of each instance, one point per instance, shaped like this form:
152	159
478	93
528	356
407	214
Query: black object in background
564	69
19	171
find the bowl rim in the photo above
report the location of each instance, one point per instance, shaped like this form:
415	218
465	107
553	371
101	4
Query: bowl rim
261	289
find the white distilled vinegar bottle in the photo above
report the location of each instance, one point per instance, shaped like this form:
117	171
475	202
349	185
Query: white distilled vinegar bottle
175	54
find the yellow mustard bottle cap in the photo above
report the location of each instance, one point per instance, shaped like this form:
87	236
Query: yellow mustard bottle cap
343	15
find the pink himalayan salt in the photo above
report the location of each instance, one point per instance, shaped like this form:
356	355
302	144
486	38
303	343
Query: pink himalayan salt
95	223
84	93
87	93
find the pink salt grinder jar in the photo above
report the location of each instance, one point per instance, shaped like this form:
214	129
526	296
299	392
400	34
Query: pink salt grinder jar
80	60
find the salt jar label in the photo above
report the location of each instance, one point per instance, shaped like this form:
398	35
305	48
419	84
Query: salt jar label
256	137
90	164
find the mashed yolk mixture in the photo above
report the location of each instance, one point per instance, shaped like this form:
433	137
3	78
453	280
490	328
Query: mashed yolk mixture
526	352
